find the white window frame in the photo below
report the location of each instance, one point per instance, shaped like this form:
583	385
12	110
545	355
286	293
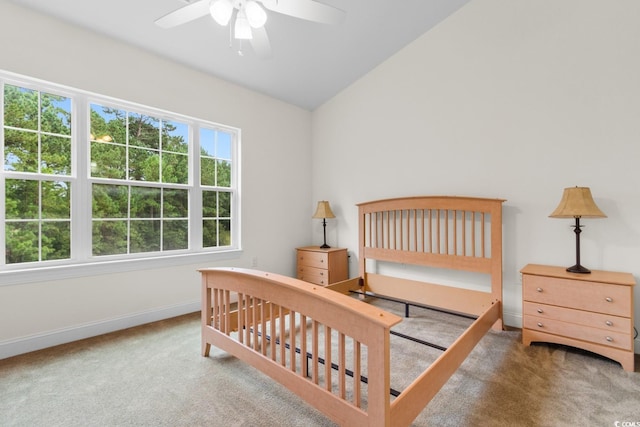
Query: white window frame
82	263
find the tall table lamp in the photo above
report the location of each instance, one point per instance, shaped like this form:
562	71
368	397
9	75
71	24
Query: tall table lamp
323	211
577	203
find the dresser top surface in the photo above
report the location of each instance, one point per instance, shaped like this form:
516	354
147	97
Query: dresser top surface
319	249
613	277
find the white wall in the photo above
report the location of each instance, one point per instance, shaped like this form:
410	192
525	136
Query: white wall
512	99
275	163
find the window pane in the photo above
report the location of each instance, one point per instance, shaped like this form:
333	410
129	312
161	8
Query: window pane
108	160
175	235
175	168
224	204
21	242
56	114
22	199
56	155
110	201
224	232
145	202
144	165
223	172
56	240
56	200
175	137
175	204
207	142
145	236
209	233
109	237
209	204
108	124
207	171
20	151
144	131
20	107
223	145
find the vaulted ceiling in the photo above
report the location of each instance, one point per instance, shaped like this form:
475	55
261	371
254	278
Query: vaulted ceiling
310	62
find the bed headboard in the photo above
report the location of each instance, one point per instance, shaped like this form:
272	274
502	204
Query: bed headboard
449	232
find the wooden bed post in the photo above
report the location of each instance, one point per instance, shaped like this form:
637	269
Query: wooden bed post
496	260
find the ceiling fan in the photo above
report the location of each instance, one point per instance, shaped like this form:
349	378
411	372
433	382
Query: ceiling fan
249	17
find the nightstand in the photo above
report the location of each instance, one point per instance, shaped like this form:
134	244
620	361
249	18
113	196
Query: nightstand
322	266
593	311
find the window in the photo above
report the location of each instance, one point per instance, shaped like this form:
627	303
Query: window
87	178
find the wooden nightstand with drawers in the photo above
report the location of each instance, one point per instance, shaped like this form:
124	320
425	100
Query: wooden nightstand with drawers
322	266
592	311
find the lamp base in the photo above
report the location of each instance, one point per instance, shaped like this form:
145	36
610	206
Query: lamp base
578	269
325	246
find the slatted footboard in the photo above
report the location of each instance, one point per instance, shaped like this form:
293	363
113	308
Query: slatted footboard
318	343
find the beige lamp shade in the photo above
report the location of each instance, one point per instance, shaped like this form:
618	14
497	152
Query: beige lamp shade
323	210
577	203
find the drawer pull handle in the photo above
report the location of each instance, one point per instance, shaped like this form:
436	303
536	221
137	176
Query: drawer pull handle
609	323
539	290
540	310
609	299
322	273
608	338
540	325
321	261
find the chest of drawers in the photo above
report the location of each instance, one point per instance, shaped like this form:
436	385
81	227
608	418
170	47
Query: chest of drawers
322	266
589	311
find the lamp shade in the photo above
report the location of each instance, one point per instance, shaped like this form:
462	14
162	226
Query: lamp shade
221	11
323	210
242	29
577	203
255	14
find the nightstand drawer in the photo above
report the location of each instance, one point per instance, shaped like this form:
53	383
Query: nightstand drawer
580	332
313	259
578	294
318	276
605	322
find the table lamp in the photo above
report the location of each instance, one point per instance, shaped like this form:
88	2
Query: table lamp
323	211
577	203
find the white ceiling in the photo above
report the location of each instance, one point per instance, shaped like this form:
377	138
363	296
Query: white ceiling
310	63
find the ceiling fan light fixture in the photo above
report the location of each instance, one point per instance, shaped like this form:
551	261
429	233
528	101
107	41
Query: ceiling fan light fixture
221	11
242	29
255	14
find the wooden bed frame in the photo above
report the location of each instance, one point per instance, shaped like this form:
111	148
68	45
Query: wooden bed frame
325	345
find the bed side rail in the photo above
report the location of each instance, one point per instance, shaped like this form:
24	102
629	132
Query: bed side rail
316	342
414	398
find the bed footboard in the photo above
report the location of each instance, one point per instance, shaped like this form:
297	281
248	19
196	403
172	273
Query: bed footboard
318	343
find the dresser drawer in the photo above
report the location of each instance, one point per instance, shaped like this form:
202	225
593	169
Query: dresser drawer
313	259
578	294
605	322
315	275
580	332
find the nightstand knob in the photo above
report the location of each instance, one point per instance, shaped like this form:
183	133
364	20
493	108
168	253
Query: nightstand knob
540	325
609	299
539	290
609	323
609	339
540	310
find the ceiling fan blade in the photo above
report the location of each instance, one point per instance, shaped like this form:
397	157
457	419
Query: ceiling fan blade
260	42
185	14
306	9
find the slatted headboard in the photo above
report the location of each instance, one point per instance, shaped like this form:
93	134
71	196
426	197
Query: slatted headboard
449	232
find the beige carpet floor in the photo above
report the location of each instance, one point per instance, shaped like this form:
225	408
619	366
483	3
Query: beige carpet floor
153	375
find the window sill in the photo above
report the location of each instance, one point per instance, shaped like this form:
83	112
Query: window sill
60	272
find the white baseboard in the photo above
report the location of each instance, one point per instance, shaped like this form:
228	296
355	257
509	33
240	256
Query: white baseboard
35	342
512	319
